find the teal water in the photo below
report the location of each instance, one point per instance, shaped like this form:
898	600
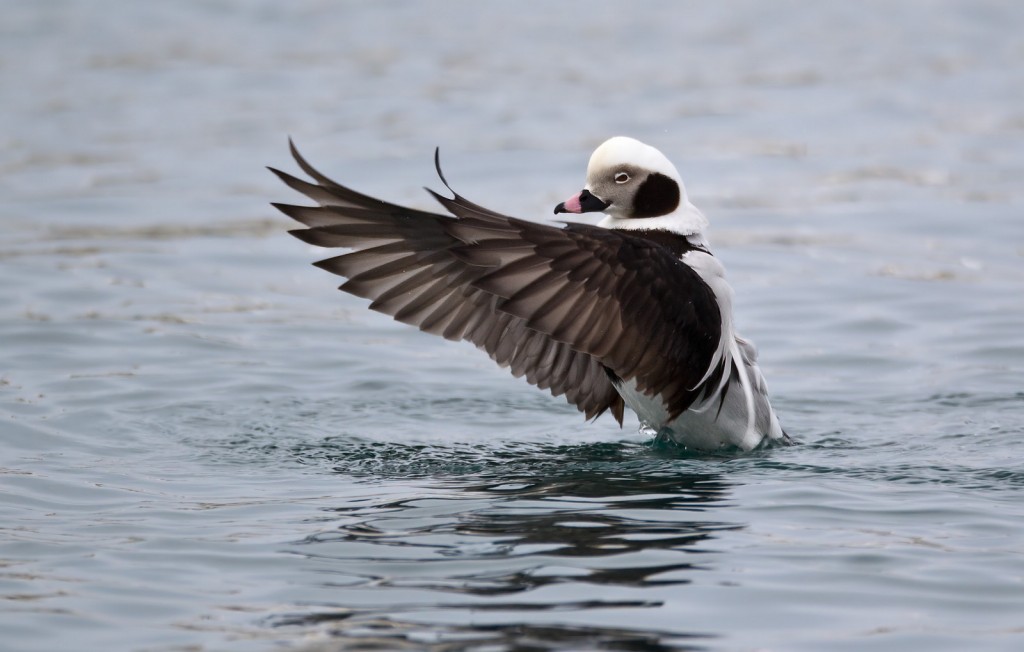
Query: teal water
205	446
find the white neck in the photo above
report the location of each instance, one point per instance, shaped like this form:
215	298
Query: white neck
685	220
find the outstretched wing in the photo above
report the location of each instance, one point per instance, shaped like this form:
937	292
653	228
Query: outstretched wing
572	309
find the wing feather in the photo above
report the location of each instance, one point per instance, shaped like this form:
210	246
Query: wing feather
567	308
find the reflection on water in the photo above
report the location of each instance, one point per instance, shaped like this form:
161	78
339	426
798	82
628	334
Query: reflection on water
544	528
355	631
358	631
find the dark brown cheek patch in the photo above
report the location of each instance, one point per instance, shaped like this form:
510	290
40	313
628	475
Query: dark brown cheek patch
657	195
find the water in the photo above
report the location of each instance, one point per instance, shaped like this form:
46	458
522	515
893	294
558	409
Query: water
206	447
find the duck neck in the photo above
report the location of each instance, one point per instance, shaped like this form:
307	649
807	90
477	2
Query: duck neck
685	223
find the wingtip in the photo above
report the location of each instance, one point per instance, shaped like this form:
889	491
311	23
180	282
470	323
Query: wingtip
291	210
293	148
440	174
306	235
433	193
306	167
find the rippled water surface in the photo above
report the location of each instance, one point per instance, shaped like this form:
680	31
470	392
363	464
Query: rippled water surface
205	446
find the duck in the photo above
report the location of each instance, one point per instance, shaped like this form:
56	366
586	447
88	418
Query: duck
633	312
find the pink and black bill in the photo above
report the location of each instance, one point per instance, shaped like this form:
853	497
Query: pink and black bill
584	202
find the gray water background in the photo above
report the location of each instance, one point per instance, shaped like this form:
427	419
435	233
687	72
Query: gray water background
205	446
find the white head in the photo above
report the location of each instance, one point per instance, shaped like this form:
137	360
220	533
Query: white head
636	187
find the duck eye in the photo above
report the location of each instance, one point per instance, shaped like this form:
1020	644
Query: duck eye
621	177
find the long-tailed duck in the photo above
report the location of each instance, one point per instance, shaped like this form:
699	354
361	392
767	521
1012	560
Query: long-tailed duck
632	312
